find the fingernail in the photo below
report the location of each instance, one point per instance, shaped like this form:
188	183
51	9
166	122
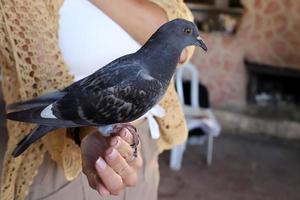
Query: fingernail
124	133
101	163
112	154
114	142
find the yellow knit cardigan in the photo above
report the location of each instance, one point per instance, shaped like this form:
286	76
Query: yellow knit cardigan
32	64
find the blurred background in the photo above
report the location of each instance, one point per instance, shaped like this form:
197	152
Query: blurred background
252	76
252	73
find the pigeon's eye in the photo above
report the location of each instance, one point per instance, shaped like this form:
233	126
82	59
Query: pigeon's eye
187	31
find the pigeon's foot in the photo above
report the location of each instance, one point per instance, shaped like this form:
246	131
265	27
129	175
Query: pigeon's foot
112	129
133	131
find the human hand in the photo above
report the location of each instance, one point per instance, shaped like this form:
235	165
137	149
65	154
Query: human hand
107	162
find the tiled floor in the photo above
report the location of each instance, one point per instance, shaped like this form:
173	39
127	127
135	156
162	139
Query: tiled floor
244	168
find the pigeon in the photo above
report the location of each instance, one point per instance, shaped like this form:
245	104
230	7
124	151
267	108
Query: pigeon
116	94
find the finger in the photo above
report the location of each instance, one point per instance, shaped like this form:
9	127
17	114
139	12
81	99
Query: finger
131	138
121	167
126	136
93	179
111	180
126	151
89	144
122	147
102	190
91	174
137	163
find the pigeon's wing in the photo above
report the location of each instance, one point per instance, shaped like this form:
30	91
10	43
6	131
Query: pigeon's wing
109	75
40	101
125	101
33	115
121	93
31	111
139	96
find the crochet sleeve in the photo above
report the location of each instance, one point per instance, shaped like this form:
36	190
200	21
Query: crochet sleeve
31	64
173	127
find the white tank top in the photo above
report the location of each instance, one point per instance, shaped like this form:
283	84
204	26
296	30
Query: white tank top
89	39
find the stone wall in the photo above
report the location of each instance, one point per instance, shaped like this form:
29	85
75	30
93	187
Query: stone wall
271	29
269	33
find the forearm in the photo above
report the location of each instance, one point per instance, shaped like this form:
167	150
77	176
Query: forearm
139	18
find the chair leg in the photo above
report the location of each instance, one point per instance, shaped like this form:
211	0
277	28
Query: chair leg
209	149
176	156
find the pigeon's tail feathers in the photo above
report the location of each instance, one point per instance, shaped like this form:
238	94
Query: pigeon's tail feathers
40	101
34	115
26	115
36	134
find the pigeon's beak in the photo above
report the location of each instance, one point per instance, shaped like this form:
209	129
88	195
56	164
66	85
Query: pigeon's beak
201	44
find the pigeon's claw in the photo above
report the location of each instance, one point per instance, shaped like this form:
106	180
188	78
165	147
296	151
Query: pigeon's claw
136	141
132	129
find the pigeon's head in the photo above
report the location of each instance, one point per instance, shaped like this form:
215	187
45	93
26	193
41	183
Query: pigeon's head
183	33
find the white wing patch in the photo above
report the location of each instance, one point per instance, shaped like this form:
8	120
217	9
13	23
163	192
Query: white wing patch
81	113
145	76
47	113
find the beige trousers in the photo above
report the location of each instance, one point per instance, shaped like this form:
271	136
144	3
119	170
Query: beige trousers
51	184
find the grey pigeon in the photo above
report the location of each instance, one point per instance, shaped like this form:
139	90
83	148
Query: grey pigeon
120	92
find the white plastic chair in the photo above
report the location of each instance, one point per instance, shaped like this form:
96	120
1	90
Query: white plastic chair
194	116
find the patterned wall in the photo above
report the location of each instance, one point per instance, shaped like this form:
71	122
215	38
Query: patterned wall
269	33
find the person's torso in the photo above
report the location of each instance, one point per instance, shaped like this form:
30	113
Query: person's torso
89	39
